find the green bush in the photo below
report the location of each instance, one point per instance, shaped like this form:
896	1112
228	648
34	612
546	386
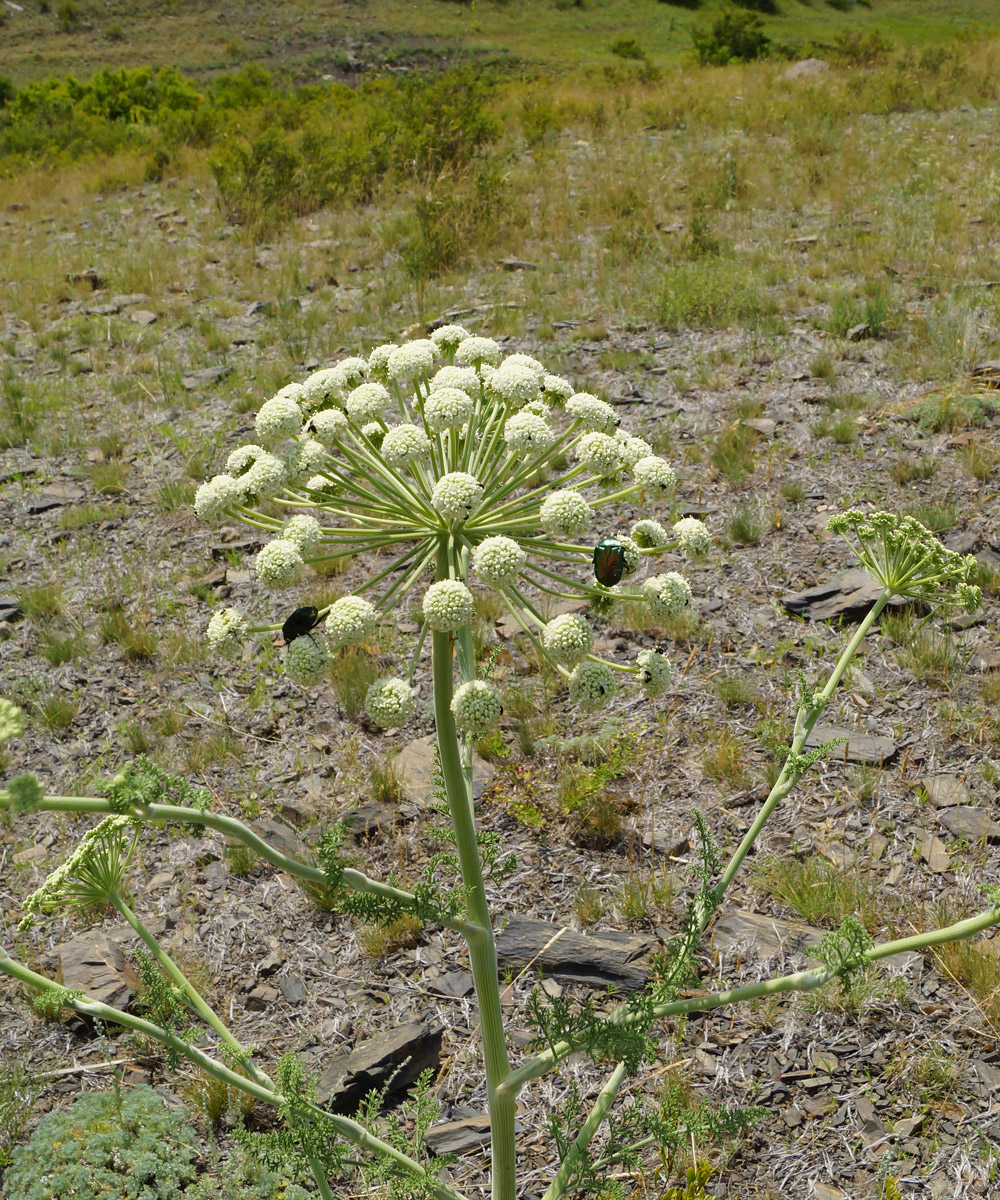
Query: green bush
710	293
734	37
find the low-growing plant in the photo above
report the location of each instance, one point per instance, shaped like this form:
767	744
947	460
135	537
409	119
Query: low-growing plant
907	468
445	475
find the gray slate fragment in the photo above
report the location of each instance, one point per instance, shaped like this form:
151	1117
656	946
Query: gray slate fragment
850	595
859	747
595	958
351	1076
55	496
204	377
459	1137
10	610
415	766
292	988
944	791
970	823
93	964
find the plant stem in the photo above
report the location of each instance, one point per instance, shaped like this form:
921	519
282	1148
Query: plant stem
598	1112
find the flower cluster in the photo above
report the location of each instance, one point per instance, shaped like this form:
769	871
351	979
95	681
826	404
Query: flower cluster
443	457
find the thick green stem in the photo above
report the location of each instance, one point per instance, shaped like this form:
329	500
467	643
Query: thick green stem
482	947
605	1099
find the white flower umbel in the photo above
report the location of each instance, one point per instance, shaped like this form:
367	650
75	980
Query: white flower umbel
654	673
378	361
667	594
278	418
404	444
227	631
592	685
463	378
348	373
351	621
303	460
12	721
556	389
368	402
655	475
632	555
592	413
448	605
525	431
475	351
390	702
412	360
650	534
456	495
213	498
600	454
307	660
498	560
568	639
448	337
304	531
565	513
447	408
279	564
328	426
632	449
321	389
514	384
693	537
476	707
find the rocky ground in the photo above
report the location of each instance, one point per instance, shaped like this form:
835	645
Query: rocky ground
901	1080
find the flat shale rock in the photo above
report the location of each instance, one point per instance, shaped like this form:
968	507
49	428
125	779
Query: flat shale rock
204	377
945	791
93	964
766	934
598	959
350	1077
56	495
415	765
459	1137
859	747
970	823
849	596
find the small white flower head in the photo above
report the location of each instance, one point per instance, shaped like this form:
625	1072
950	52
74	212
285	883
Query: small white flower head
12	720
307	660
565	513
514	383
600	454
498	560
328	425
592	412
556	389
655	475
404	444
260	474
303	461
456	495
447	408
447	337
526	362
368	402
654	673
539	408
279	563
632	448
476	706
279	418
527	432
448	605
463	378
213	498
475	351
633	558
348	373
321	390
411	360
378	361
350	621
667	594
650	535
303	530
568	638
374	432
693	537
390	702
243	458
592	685
320	483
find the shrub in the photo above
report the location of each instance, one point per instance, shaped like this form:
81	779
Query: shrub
734	37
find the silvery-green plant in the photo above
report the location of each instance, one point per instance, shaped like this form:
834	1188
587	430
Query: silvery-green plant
467	470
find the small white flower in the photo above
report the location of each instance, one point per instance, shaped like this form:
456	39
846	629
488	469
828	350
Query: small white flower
498	560
320	483
592	412
350	621
304	460
279	563
405	444
321	390
655	475
307	660
412	359
475	351
243	458
448	605
526	431
303	530
374	432
557	389
265	478
456	495
348	373
654	673
650	534
568	638
463	378
213	498
476	706
279	418
12	720
378	361
368	402
514	383
447	408
329	425
539	408
566	513
632	448
667	594
525	362
390	702
693	537
447	337
600	454
592	685
633	559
